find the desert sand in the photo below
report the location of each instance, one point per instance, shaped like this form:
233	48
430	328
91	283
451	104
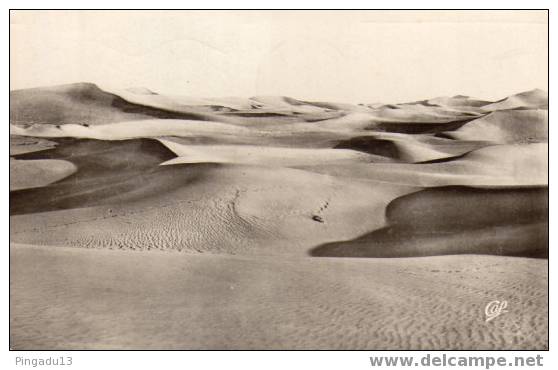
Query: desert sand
70	298
143	221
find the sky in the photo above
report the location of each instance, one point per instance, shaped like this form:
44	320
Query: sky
343	56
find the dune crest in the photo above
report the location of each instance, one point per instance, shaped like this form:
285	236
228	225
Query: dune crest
533	99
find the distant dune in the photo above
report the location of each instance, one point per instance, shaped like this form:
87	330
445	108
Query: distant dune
133	129
409	148
426	211
496	165
458	101
507	126
81	104
534	99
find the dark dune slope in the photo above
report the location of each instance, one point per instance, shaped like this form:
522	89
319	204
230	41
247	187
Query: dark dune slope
421	127
456	220
371	145
81	103
115	189
94	157
27	144
405	148
105	170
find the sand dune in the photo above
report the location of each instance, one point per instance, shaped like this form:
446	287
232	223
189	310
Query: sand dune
201	207
229	109
303	106
534	99
245	196
24	144
506	126
97	158
456	220
120	191
403	122
262	155
405	119
278	104
498	165
283	103
132	129
459	101
409	148
38	173
208	107
418	113
272	139
81	104
102	169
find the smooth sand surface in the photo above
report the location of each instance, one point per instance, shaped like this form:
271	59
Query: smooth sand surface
144	221
64	298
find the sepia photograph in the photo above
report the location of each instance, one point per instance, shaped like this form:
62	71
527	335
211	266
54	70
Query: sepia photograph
278	180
